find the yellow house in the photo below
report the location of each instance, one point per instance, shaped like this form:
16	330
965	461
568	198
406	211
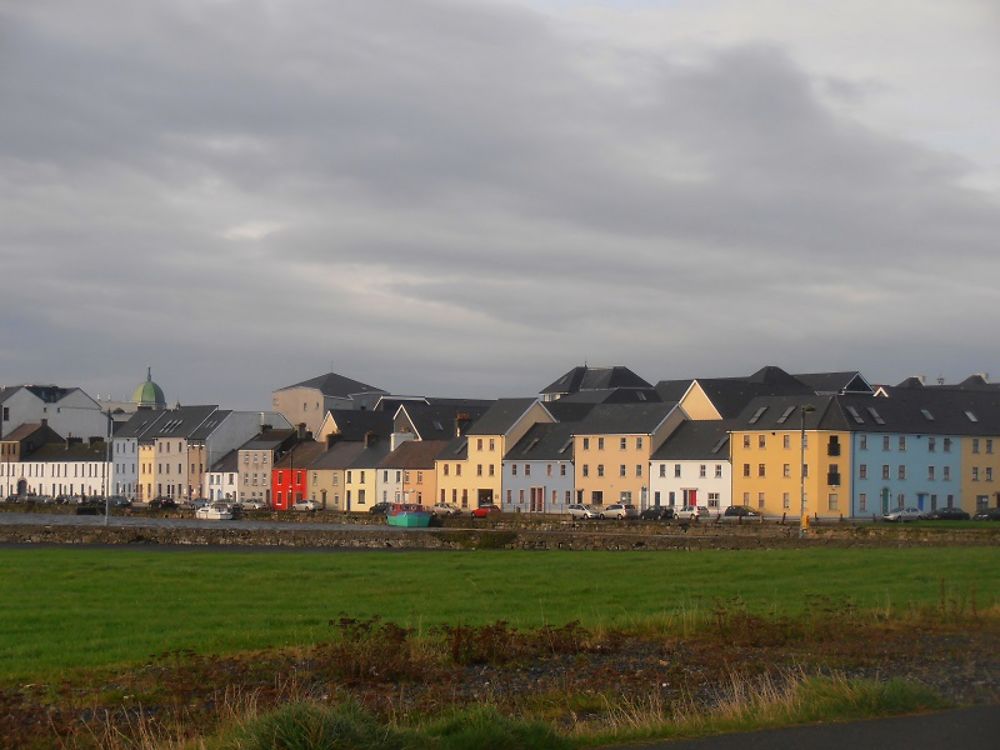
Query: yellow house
327	483
407	475
725	398
360	476
767	457
146	487
450	468
612	447
980	473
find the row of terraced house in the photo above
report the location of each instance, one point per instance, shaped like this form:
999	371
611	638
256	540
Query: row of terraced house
596	436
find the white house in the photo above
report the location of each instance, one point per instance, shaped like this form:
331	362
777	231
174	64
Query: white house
692	467
71	467
68	411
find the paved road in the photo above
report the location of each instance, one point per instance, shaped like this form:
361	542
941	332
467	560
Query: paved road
963	729
59	519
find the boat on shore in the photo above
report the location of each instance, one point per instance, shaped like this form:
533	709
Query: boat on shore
408	515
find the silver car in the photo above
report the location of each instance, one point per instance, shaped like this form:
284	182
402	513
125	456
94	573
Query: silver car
581	511
620	510
904	514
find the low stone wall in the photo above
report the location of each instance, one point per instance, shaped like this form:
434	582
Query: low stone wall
697	536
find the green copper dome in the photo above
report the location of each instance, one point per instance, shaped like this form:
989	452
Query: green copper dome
149	394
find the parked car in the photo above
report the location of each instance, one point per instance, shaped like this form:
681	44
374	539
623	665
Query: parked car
252	505
215	512
693	512
580	511
380	509
445	509
619	511
304	505
119	501
485	510
987	514
657	513
740	511
947	514
903	514
163	503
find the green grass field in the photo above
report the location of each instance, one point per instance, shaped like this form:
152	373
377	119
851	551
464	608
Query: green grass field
66	608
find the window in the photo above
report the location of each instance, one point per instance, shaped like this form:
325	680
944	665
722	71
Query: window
492	444
513	470
863	442
621	470
760	500
757	415
586	444
600	443
975	473
833	502
520	496
805	470
527	470
479	444
677	471
761	441
930	473
989	474
479	470
885	471
562	470
638	470
638	443
786	501
862	471
718	471
746	498
900	500
902	472
951	501
947	445
713	499
975	445
663	470
946	473
931	445
702	471
746	441
623	444
445	472
600	470
586	470
548	470
786	471
902	442
760	470
786	442
492	469
989	445
885	443
746	470
862	503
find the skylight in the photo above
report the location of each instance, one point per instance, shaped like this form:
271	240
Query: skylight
461	447
875	415
786	414
722	442
532	444
757	415
927	415
566	445
641	395
972	417
437	425
854	414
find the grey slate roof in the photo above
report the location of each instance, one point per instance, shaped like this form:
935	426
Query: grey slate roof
50	394
301	455
180	422
372	456
354	423
501	416
209	426
699	439
268	440
456	450
228	464
140	423
414	454
567	410
624	419
731	395
332	384
437	421
585	378
611	396
338	456
83	451
830	383
544	442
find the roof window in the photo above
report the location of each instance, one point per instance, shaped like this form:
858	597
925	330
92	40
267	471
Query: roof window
875	415
972	417
722	441
786	414
927	415
854	415
757	415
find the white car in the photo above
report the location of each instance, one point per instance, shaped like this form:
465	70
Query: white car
581	511
252	505
214	513
619	510
304	505
445	509
904	514
693	512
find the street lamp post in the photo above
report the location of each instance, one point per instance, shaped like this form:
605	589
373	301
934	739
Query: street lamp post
803	515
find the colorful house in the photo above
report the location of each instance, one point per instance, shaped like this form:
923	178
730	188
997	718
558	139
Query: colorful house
407	474
361	477
290	475
692	467
538	471
328	474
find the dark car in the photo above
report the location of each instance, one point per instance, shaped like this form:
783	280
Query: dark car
484	510
657	513
987	514
947	514
163	503
740	511
380	509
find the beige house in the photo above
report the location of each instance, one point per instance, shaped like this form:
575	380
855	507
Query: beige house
328	474
309	401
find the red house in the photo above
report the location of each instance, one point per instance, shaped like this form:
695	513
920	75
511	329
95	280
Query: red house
289	476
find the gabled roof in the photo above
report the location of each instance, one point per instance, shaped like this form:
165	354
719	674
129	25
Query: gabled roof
354	424
301	455
29	429
50	394
338	456
180	422
673	390
414	454
456	450
624	419
437	421
612	396
831	383
774	376
82	451
228	464
706	439
371	456
567	410
141	422
211	424
332	384
544	442
585	378
500	417
785	413
267	440
731	395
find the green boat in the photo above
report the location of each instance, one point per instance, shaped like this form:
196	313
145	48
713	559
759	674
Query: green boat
408	516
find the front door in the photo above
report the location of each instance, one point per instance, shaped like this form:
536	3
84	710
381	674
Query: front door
485	497
885	500
537	499
921	498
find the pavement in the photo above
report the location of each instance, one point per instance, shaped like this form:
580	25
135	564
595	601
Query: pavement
976	728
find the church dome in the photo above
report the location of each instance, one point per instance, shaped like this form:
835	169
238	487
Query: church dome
149	395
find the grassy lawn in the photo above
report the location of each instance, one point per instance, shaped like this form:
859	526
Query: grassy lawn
64	608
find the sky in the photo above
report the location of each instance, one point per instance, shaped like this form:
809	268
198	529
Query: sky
469	197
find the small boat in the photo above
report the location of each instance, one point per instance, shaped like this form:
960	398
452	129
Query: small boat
408	515
214	513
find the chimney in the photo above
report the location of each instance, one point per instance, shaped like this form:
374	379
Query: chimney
301	427
369	438
462	420
45	422
331	440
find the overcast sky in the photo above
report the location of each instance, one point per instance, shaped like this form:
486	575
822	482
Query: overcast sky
468	197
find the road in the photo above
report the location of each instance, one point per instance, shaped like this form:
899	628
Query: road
975	728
